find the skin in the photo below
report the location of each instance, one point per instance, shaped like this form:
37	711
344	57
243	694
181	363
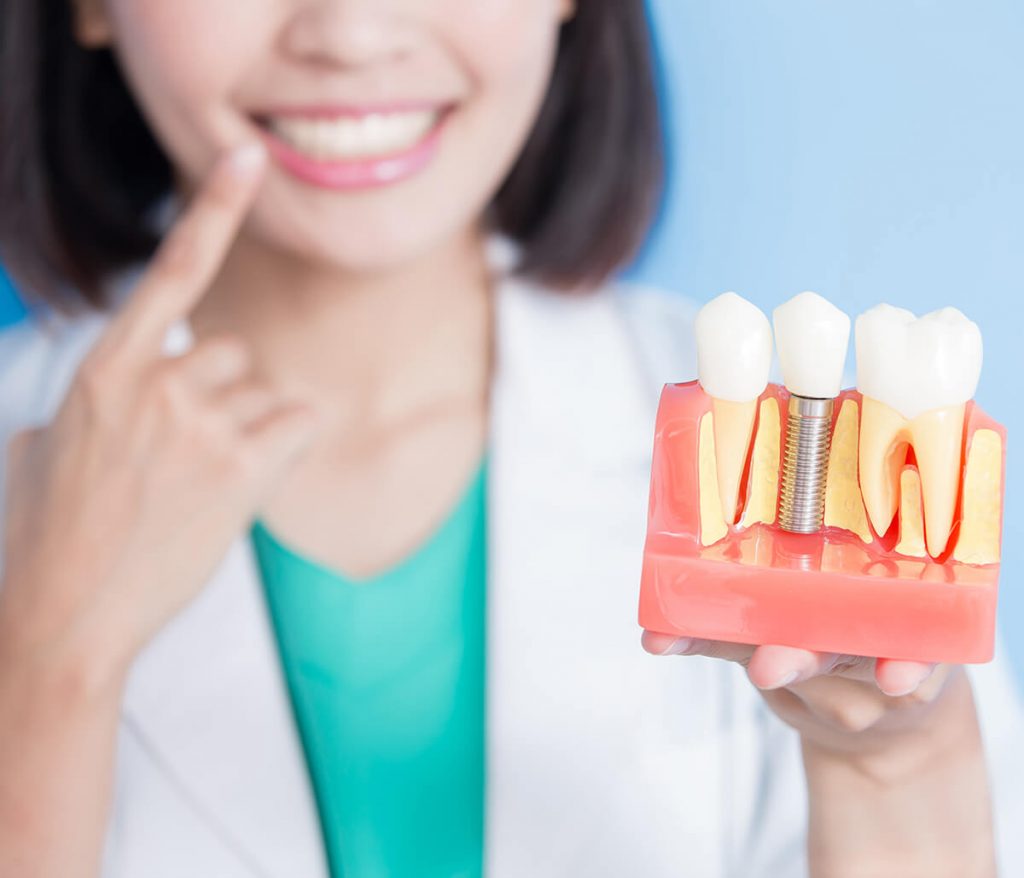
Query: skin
294	406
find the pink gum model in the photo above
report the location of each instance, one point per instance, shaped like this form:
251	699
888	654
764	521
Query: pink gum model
829	592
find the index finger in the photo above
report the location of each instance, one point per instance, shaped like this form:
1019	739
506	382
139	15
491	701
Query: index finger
189	256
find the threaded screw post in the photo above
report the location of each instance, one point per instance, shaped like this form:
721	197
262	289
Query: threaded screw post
805	464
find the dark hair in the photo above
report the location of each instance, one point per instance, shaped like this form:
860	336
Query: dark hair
80	169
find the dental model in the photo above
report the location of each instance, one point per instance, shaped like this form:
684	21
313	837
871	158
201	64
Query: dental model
812	336
867	522
734	357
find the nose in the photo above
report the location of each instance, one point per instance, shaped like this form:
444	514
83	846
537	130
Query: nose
349	33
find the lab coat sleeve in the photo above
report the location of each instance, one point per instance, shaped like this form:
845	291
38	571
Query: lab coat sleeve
1001	715
765	791
38	359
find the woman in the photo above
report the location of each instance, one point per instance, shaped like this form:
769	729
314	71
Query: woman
242	621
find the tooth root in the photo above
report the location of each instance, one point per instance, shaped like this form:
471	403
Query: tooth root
734	428
763	491
883	452
844	506
937	437
911	542
712	521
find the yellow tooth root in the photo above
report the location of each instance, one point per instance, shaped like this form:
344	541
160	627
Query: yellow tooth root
712	521
911	542
763	493
883	452
937	437
978	542
734	425
844	506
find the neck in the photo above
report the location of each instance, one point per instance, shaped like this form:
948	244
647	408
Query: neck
377	345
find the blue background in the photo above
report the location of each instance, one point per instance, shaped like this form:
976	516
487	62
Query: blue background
871	151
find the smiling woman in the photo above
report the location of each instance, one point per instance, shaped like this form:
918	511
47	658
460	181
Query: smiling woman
326	458
578	188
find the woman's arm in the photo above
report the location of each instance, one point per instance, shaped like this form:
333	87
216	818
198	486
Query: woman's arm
116	515
58	725
917	804
896	773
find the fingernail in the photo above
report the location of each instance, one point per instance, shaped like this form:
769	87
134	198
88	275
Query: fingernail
248	159
912	686
784	680
678	646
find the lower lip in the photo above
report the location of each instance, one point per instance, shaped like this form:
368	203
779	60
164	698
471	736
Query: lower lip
355	173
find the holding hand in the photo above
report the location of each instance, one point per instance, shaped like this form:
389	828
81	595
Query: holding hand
835	701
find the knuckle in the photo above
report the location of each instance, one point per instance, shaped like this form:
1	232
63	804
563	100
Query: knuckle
852	716
167	388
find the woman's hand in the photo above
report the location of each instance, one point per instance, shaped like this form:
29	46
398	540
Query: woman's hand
895	768
120	509
845	703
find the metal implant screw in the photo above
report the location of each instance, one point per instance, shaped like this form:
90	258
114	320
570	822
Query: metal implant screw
805	464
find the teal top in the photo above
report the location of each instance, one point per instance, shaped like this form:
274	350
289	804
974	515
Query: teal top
386	677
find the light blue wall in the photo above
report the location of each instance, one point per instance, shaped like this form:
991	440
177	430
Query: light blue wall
872	151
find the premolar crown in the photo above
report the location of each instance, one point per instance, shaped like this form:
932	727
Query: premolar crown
812	336
734	356
734	348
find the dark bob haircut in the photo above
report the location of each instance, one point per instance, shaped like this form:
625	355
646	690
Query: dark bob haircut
80	171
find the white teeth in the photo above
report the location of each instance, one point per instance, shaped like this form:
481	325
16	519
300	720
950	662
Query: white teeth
812	336
914	365
916	376
734	357
351	137
734	348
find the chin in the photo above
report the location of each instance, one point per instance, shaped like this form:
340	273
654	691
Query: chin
375	231
355	247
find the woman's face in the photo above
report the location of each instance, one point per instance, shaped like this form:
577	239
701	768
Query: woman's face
391	122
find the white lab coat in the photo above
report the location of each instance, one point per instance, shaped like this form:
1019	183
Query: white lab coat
601	759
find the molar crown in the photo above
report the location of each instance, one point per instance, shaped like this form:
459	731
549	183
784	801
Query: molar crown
915	365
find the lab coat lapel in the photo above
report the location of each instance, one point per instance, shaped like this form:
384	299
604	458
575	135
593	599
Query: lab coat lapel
590	741
208	701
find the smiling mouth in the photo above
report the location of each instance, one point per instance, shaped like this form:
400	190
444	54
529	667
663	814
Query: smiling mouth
353	137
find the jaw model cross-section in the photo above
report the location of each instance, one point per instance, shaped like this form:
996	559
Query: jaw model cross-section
905	485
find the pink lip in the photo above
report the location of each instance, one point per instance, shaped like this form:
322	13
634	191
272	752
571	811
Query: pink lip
353	173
